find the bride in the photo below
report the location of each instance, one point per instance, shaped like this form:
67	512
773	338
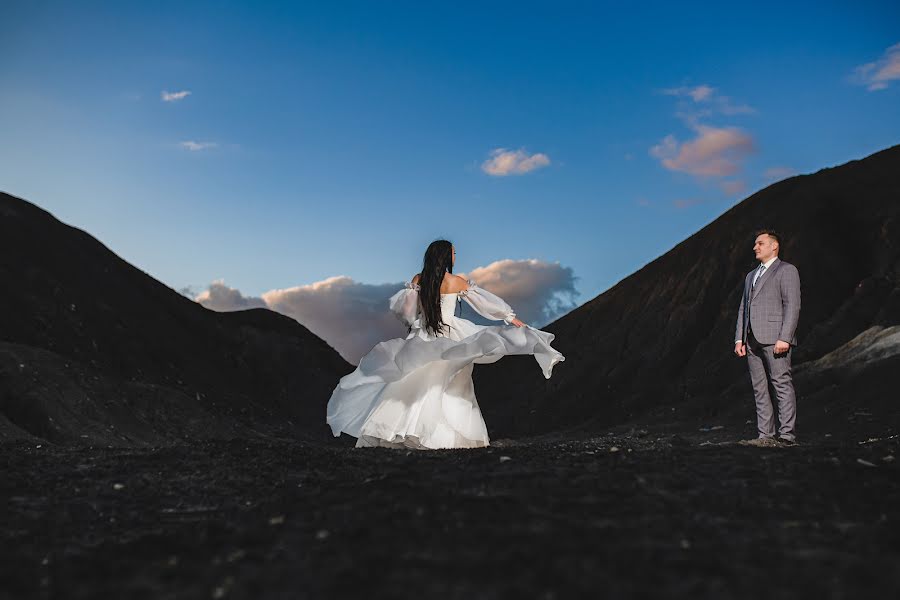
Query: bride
417	392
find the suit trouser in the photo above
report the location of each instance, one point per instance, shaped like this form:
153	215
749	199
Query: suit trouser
768	370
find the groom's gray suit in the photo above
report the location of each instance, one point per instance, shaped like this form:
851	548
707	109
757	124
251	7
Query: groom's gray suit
769	311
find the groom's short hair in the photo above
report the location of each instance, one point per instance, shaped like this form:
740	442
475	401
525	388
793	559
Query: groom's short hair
769	232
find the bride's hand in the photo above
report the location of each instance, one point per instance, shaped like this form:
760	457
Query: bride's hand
517	323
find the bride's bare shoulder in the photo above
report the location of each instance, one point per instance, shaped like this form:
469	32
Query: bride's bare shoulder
451	284
455	283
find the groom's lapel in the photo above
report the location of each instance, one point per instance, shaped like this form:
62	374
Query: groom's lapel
765	277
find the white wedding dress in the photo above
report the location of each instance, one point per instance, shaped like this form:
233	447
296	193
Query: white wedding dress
417	392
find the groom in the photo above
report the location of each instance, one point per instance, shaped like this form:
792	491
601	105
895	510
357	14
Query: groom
766	333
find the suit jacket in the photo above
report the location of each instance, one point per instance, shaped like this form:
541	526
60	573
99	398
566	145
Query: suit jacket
774	308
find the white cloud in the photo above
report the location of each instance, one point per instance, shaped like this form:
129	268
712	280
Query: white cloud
508	162
715	152
705	101
174	96
878	75
222	298
196	146
349	315
352	316
538	291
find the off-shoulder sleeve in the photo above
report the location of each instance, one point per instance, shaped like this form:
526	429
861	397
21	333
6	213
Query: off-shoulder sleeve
405	303
487	304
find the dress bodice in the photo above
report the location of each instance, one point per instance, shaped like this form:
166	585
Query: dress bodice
448	306
406	305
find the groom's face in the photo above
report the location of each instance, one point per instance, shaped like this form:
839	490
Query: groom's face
765	247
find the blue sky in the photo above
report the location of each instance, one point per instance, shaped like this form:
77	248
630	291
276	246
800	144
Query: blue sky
326	139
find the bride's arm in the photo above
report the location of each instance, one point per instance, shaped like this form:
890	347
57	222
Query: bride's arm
405	303
488	304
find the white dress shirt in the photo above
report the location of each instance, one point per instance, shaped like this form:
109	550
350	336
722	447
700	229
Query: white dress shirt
766	266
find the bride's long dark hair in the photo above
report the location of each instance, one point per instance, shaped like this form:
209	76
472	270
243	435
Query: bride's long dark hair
438	260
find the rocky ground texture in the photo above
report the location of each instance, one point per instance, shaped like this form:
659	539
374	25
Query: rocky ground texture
634	513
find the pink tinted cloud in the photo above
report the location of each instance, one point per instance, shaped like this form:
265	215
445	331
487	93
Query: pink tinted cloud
505	162
715	152
353	316
539	291
705	101
220	297
879	74
733	187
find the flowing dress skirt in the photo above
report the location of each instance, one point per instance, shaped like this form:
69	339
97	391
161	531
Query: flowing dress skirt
418	393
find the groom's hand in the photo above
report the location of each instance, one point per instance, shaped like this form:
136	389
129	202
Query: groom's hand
740	349
781	347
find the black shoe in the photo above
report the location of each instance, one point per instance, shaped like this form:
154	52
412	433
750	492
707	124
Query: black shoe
787	441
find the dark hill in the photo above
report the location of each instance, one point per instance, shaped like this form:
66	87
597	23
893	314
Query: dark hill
659	344
93	349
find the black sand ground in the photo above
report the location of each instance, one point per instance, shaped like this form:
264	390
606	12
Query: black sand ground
662	515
